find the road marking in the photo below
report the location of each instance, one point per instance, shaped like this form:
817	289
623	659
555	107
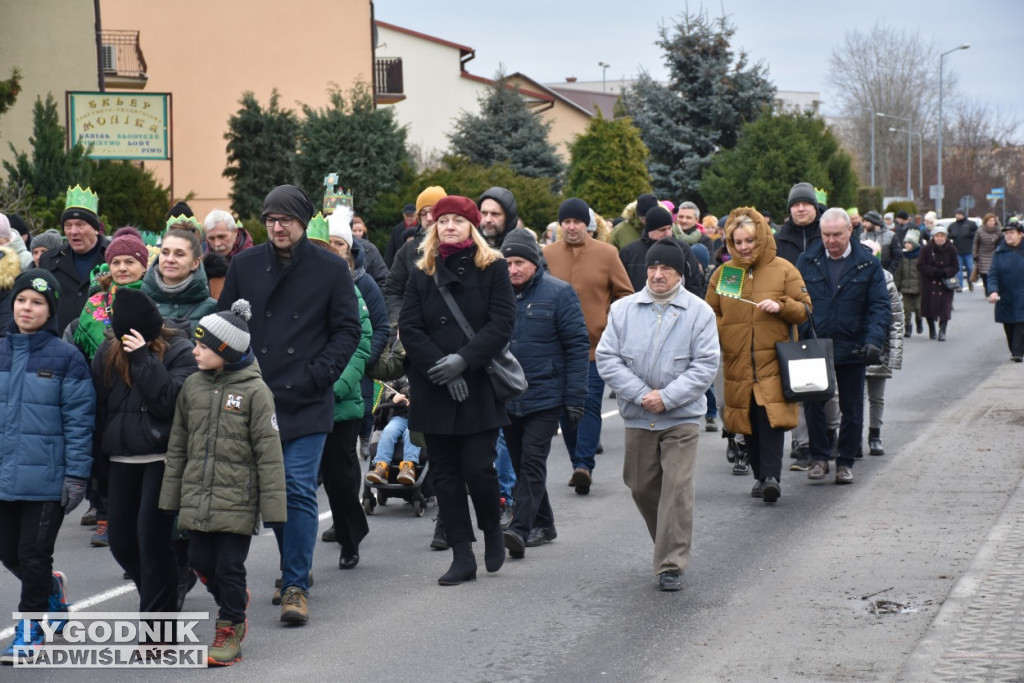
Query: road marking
604	416
85	603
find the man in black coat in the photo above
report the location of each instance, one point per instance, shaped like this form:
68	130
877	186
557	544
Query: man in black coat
407	254
961	234
304	327
72	263
801	230
658	225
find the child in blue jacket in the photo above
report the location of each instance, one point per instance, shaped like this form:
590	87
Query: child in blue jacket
46	426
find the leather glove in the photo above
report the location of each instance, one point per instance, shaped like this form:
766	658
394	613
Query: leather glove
458	389
447	369
575	414
72	493
872	354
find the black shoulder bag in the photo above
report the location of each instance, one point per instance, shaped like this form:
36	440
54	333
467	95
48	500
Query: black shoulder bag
507	377
806	366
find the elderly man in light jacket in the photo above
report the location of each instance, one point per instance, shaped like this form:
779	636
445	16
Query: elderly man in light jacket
659	354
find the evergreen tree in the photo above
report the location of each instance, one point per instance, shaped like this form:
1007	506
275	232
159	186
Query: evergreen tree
261	144
363	145
9	90
771	155
52	168
129	195
607	167
505	130
709	96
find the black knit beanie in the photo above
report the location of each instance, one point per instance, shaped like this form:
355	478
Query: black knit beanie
38	280
134	310
519	243
802	192
667	252
574	208
657	217
645	203
290	201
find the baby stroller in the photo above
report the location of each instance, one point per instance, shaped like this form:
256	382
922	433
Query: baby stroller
378	494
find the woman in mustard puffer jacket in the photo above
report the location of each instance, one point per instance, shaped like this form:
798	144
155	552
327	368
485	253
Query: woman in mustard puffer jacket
754	404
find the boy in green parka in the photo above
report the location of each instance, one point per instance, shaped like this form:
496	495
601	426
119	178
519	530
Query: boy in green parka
224	468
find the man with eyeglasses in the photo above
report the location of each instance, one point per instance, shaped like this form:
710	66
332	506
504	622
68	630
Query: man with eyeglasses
304	328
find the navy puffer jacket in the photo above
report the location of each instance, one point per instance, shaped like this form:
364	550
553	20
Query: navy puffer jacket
550	341
853	313
46	415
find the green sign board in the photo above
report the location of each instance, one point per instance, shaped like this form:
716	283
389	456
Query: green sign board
121	125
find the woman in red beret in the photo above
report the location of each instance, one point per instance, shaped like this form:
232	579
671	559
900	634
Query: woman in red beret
452	401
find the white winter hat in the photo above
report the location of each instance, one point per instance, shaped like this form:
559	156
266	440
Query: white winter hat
339	224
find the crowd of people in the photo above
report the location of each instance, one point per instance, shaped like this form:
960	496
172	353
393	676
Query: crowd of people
198	389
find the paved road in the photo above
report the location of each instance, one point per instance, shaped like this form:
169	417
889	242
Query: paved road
772	592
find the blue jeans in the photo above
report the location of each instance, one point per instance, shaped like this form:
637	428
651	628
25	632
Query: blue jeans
296	539
506	473
712	402
396	428
582	441
966	261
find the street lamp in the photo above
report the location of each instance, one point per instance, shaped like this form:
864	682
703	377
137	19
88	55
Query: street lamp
910	145
873	113
604	70
920	156
938	202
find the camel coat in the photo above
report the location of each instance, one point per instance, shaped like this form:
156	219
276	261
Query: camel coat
748	335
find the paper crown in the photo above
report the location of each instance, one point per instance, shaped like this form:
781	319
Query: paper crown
335	196
318	229
194	226
821	195
79	198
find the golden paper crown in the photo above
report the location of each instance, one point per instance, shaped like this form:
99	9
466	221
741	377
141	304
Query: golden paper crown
821	195
79	198
194	226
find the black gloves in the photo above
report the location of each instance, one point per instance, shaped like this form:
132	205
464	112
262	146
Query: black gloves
458	389
575	414
72	493
447	369
872	354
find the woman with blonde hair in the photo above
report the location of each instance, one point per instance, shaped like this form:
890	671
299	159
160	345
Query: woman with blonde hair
775	299
452	401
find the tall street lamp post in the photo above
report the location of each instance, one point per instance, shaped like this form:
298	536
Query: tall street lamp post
604	70
938	202
910	145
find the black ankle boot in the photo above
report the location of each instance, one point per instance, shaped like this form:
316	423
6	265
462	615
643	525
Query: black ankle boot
463	565
920	327
494	550
440	540
875	442
942	330
931	328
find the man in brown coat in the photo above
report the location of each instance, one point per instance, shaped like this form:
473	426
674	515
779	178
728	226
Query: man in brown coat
594	270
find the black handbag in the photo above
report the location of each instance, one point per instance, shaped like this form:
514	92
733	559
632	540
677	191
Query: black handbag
950	283
807	367
506	374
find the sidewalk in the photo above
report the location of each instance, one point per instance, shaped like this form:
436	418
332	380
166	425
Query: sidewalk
978	634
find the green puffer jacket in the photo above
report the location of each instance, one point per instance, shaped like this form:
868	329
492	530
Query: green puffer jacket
224	464
348	400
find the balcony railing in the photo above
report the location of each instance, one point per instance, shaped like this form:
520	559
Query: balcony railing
122	55
389	76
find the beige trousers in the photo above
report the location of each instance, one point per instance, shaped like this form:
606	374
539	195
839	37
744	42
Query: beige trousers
658	469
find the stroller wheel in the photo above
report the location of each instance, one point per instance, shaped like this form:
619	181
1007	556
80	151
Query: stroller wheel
417	507
382	498
368	505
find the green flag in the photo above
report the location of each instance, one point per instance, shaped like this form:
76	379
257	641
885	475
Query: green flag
730	284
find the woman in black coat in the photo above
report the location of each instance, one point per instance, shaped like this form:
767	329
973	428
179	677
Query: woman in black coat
937	262
138	375
451	400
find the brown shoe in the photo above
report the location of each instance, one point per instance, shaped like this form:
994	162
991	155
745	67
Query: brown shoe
581	479
294	606
379	473
844	475
818	470
406	473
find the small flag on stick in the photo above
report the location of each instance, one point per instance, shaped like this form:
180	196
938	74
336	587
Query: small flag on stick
730	284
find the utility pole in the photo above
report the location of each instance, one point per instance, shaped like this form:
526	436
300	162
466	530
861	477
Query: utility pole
938	202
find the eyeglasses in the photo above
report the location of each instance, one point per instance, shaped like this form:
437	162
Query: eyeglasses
285	221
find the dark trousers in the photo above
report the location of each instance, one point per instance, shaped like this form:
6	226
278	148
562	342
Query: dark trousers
28	531
850	387
219	559
529	442
458	462
140	534
764	444
343	479
1015	338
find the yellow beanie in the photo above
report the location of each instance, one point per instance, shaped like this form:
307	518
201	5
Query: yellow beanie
429	197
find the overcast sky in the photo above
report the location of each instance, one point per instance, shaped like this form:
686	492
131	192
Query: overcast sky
549	41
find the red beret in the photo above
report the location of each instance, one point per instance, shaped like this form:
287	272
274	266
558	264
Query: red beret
463	206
